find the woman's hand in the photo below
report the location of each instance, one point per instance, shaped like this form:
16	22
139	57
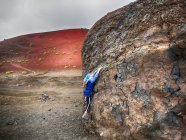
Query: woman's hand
84	85
99	69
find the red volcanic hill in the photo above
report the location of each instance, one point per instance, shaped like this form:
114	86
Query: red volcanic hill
43	51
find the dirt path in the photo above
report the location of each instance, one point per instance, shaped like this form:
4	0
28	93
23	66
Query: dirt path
41	106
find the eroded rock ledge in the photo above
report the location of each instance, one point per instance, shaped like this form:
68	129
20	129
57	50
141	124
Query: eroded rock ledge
141	92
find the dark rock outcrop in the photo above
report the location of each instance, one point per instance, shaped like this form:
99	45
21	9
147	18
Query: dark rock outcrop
141	92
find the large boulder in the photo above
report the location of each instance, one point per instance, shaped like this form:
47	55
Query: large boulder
141	92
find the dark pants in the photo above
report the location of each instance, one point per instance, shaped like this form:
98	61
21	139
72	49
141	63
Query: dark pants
88	99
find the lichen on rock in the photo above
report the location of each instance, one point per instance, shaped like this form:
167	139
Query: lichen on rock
141	91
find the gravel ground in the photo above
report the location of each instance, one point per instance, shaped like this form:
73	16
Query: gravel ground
42	106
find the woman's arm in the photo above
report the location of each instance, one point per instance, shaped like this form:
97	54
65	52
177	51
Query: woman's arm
96	75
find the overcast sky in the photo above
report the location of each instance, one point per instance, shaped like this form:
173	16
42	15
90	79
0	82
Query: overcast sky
19	17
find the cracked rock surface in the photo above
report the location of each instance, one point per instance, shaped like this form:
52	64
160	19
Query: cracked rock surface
141	92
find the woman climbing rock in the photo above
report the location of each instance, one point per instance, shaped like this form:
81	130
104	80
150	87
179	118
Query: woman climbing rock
88	84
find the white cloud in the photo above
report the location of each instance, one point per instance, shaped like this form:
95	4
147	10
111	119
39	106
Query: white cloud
18	17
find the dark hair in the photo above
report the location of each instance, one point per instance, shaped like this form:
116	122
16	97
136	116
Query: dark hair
90	70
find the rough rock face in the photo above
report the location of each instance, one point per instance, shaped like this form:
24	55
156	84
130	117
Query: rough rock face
141	92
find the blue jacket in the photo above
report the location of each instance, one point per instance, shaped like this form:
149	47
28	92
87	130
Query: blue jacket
90	83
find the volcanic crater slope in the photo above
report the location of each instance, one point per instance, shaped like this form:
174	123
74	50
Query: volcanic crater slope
42	51
141	91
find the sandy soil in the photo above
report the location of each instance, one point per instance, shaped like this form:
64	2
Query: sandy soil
42	106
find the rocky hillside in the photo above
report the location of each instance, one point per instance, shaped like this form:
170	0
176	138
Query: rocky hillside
42	51
141	92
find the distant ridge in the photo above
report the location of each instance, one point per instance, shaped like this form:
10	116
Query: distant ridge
54	50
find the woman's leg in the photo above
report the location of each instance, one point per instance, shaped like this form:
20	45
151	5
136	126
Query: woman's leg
88	99
85	114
